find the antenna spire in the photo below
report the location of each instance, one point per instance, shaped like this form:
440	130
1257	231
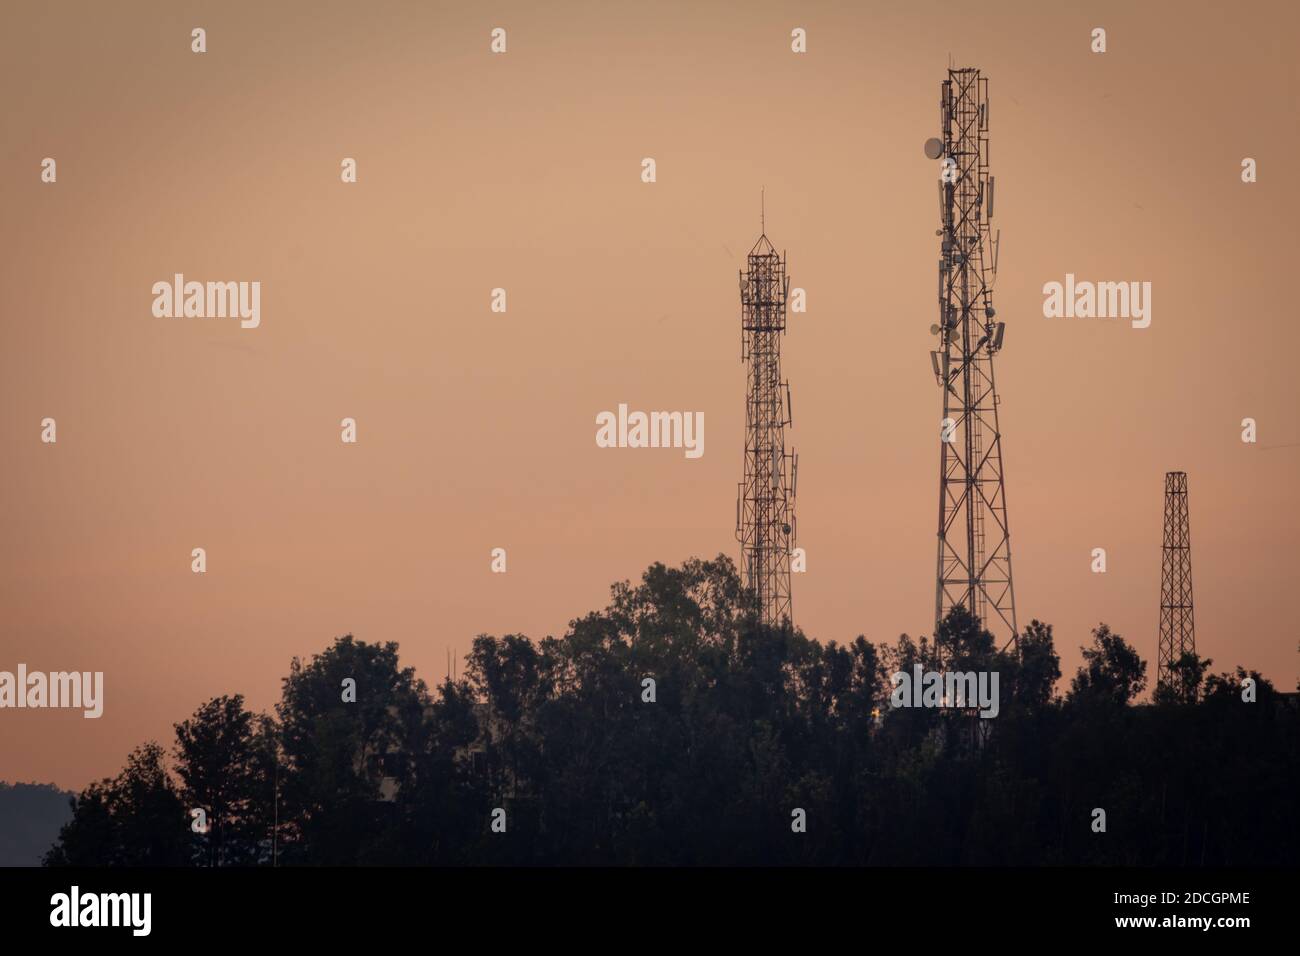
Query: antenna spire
762	209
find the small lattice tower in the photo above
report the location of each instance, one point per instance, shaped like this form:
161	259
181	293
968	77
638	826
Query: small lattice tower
765	523
1177	626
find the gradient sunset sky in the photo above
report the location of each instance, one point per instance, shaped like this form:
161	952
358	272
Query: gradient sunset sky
476	430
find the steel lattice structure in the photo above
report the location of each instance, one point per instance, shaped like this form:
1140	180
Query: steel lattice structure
1177	627
974	566
765	523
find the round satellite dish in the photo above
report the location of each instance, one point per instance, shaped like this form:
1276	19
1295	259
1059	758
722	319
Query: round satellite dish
934	330
933	148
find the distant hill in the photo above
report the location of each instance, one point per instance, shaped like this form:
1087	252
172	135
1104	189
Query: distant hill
30	817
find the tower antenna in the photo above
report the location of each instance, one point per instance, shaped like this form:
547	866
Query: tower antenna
765	524
1177	624
974	565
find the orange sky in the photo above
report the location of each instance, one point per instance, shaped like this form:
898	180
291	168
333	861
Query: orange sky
476	430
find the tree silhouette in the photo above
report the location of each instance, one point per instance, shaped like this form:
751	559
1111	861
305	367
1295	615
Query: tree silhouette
134	819
217	759
1186	676
336	752
671	727
1112	671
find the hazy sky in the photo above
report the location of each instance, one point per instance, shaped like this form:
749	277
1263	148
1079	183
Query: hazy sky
476	430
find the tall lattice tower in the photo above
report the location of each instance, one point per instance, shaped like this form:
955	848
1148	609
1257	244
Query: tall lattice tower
1177	627
765	504
974	568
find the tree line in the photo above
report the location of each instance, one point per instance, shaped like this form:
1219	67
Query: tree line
742	728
